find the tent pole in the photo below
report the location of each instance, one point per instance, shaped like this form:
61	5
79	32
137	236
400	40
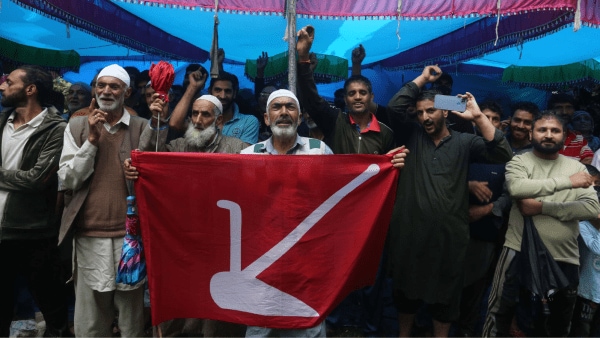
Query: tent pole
291	34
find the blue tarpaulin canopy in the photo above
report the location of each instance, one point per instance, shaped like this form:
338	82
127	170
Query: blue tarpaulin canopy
466	38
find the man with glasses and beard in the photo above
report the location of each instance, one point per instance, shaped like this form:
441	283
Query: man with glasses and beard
202	134
557	193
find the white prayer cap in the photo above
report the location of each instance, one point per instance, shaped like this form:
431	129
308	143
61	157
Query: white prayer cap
117	71
215	101
280	93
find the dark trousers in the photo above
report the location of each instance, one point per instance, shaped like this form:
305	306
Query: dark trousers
558	323
38	262
507	291
583	317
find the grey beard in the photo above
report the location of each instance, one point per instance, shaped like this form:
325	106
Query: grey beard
284	132
119	101
199	138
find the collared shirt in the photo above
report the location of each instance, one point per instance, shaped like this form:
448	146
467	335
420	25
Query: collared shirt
303	146
77	164
13	143
373	125
242	126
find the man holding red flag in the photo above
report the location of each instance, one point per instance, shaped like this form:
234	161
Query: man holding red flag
275	266
283	112
202	136
282	116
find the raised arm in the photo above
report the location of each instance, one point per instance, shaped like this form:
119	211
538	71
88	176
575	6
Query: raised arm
197	80
322	113
77	162
358	55
259	81
474	114
406	96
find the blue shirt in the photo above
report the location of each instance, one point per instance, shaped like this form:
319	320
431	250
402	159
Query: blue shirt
242	126
589	250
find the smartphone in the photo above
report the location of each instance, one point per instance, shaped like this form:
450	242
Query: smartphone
449	102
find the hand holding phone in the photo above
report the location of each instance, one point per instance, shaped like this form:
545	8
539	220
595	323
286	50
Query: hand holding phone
449	102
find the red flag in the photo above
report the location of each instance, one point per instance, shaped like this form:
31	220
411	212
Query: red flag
274	241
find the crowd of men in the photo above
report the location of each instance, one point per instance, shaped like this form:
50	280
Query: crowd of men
470	185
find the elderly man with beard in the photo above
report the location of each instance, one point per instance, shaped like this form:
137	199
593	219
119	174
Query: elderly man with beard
202	134
225	88
283	115
557	193
95	147
429	231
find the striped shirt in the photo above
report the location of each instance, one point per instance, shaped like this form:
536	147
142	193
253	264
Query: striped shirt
576	147
303	146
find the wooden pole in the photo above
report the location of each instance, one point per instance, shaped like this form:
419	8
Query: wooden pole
291	33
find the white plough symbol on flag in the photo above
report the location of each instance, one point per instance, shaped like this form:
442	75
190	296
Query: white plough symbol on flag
240	290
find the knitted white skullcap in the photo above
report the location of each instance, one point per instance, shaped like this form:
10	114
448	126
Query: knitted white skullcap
281	93
117	71
214	100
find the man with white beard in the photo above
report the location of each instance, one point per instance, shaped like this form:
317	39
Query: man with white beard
283	114
95	147
201	136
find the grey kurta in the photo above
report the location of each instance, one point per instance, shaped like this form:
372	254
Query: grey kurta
429	231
